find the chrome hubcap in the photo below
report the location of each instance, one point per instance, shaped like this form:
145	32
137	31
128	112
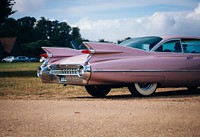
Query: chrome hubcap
145	86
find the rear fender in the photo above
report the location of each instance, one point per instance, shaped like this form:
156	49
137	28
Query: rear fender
55	54
110	51
61	52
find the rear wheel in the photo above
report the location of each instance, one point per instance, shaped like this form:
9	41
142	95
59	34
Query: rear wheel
143	89
98	91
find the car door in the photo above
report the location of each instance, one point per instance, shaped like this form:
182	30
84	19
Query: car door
192	51
173	62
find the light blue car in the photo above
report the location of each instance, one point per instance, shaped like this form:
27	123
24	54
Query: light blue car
21	59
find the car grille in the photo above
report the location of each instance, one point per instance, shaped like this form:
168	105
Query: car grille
68	71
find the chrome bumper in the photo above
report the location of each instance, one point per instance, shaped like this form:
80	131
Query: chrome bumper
68	74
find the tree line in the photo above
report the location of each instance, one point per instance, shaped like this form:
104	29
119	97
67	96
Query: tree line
32	33
28	30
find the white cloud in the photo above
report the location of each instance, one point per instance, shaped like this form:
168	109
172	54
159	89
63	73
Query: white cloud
197	10
28	5
160	23
81	8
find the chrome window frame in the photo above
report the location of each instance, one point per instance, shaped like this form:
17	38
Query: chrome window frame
165	41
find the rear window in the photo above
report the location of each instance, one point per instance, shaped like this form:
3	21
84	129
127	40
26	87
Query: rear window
191	45
143	43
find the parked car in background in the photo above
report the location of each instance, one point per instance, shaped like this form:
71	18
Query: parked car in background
8	59
21	59
142	64
33	59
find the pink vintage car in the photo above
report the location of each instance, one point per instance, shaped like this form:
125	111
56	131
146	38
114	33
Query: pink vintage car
142	64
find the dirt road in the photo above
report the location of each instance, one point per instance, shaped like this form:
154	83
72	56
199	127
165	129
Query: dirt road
123	116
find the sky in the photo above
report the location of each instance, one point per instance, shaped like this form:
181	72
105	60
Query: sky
114	20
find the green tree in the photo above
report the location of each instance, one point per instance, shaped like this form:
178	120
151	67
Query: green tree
9	28
76	33
43	28
54	31
23	29
35	48
76	36
34	34
65	36
26	29
59	33
6	9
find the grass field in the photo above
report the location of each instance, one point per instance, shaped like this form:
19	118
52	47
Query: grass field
19	81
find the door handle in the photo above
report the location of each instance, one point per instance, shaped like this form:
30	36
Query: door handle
189	57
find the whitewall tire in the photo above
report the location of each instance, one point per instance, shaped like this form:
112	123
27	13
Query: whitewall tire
143	89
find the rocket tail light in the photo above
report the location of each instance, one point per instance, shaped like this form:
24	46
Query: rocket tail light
88	51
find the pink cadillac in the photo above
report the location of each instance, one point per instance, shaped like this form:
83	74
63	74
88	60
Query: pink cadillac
142	64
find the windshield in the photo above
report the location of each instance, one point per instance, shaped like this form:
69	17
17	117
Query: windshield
144	43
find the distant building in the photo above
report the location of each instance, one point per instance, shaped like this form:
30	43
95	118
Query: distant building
9	47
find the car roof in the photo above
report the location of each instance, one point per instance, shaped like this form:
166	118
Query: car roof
179	37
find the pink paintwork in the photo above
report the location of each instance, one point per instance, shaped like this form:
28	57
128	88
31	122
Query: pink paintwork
152	63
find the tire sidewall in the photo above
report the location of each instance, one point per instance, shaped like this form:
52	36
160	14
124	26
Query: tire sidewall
146	92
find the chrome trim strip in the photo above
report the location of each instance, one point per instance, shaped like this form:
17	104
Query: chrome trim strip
88	58
67	71
145	70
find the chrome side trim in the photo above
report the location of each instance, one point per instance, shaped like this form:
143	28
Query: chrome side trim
145	70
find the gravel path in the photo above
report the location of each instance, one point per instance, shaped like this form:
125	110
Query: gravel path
110	117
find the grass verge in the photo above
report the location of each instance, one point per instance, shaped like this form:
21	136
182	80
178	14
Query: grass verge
19	81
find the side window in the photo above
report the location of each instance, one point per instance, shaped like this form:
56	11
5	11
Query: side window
170	46
191	46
